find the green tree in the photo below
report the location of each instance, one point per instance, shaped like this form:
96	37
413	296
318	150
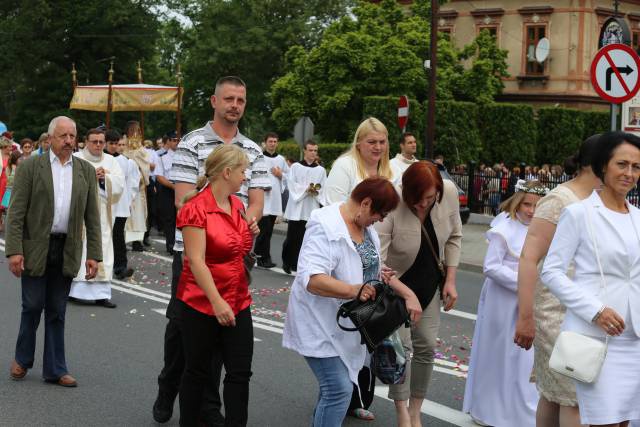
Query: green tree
378	50
41	39
248	38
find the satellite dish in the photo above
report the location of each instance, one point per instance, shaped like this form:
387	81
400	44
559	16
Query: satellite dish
542	50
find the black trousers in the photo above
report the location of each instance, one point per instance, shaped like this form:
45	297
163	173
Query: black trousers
152	196
119	246
171	374
167	214
203	337
293	243
262	246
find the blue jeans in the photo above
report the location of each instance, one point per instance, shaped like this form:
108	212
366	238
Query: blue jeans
48	293
335	390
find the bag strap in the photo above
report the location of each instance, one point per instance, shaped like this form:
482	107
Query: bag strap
603	283
433	251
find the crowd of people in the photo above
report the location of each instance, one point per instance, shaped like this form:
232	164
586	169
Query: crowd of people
216	195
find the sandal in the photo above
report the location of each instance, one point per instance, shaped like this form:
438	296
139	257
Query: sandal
362	414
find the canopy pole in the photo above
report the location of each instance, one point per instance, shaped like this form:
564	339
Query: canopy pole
179	110
109	97
141	112
74	76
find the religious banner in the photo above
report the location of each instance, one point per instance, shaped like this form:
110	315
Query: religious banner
134	97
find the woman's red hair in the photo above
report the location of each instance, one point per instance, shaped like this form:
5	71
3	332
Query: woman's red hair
384	197
417	179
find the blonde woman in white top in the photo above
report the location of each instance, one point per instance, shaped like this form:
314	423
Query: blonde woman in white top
367	157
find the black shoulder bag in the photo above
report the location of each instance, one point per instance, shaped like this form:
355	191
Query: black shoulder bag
375	319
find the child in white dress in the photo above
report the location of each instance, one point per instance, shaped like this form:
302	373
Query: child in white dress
498	391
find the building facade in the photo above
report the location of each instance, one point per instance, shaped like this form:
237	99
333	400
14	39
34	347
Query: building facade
572	28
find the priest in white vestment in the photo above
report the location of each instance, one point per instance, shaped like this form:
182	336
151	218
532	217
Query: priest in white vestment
111	183
137	224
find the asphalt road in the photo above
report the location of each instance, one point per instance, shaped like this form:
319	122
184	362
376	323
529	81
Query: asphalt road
116	356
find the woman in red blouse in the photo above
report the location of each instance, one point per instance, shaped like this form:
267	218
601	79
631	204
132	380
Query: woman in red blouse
213	288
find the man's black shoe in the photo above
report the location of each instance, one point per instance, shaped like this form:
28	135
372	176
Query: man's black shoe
121	275
137	247
163	408
106	303
266	264
146	241
170	252
286	268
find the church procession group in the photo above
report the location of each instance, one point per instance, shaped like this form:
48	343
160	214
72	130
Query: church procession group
217	195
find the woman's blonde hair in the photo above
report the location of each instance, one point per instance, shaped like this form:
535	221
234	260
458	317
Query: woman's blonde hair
4	143
368	126
227	156
512	204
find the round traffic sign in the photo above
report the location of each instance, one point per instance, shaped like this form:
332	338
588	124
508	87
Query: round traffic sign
615	73
403	112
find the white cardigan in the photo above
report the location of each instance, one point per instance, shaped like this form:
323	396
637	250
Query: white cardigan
310	327
583	296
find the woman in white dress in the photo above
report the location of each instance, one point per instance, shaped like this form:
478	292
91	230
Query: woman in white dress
499	371
596	309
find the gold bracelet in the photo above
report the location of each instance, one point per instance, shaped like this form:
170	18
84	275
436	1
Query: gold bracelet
598	314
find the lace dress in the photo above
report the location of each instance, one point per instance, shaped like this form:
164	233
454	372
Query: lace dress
549	313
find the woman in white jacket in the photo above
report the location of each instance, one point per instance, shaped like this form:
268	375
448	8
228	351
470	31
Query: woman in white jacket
340	252
613	307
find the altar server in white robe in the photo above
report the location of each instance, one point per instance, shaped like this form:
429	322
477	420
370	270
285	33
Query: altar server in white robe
278	168
305	181
111	183
116	145
498	391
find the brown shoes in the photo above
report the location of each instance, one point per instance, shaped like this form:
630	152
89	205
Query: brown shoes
64	381
17	372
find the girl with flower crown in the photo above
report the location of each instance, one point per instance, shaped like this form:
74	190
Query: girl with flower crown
498	391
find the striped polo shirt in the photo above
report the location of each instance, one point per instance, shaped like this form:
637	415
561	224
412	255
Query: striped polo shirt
192	152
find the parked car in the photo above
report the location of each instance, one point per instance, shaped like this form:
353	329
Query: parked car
462	196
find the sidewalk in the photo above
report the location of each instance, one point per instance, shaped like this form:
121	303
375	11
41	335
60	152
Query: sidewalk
474	245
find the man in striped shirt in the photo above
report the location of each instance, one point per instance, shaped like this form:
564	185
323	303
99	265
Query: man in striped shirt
228	102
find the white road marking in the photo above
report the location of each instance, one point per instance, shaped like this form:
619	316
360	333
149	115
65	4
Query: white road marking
462	314
435	410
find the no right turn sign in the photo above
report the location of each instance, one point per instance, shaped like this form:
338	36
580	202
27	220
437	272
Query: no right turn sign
615	73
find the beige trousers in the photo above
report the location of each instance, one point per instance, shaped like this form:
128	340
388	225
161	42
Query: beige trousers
421	339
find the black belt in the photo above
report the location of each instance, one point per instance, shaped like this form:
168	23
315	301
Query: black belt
58	236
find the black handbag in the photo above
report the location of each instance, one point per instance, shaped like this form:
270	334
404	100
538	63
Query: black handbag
250	258
375	319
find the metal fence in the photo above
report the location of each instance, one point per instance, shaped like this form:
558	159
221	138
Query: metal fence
487	191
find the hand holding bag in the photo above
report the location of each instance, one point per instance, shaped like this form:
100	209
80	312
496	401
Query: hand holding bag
575	355
375	319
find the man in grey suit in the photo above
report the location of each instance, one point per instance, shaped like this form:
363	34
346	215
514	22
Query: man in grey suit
53	209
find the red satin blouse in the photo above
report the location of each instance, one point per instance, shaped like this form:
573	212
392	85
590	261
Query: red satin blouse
228	241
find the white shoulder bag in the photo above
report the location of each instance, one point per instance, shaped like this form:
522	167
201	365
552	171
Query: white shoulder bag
575	355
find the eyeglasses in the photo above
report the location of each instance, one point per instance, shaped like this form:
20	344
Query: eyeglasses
98	142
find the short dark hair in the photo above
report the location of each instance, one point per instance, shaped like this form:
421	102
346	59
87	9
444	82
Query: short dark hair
26	141
404	136
309	142
584	156
230	80
384	198
112	135
270	135
93	131
605	147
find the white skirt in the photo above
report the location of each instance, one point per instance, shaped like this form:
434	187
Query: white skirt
614	396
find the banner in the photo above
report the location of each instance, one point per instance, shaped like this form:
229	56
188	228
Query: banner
139	97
